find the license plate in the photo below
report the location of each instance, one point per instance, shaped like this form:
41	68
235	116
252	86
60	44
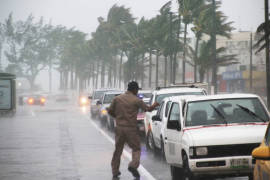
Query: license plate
239	163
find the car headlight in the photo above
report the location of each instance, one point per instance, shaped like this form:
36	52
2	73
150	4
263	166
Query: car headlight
191	151
201	151
104	111
83	100
42	100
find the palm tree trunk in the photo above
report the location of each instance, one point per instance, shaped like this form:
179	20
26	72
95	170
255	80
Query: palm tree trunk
176	50
66	80
184	55
165	71
109	76
115	72
71	79
93	74
195	59
61	80
202	73
136	67
150	69
120	69
102	79
157	59
97	73
142	70
76	81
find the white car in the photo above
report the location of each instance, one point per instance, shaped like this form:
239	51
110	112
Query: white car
104	103
96	96
158	96
214	135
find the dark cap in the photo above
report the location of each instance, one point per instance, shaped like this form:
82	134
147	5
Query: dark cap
133	85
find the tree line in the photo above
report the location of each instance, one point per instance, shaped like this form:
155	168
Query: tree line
122	48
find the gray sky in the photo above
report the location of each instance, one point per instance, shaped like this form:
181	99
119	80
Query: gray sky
83	14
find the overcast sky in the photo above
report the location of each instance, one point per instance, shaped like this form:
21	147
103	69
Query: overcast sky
83	14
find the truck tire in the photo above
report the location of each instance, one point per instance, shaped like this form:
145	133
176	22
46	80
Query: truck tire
162	150
187	174
150	144
176	173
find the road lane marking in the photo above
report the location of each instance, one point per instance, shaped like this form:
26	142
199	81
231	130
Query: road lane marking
126	153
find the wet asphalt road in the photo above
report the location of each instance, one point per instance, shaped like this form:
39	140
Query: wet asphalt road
59	141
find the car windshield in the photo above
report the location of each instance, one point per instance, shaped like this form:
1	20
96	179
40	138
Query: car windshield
224	111
109	98
98	94
160	97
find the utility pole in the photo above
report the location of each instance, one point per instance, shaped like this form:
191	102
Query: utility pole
267	51
250	63
213	37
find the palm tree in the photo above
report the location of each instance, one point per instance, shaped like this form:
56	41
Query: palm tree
187	8
199	19
204	58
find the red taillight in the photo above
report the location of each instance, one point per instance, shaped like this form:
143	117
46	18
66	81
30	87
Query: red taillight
30	101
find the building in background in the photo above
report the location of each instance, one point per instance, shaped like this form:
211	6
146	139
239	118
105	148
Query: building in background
236	77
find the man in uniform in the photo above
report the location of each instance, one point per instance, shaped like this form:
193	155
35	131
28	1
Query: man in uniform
124	108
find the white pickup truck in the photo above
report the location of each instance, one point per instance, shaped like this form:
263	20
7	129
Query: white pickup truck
157	96
213	135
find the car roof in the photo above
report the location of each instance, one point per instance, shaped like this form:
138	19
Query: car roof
105	89
216	96
179	98
145	91
114	92
178	90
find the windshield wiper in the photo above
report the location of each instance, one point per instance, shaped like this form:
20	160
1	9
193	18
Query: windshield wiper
250	112
219	113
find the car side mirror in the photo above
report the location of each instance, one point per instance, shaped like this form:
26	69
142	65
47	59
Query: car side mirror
261	153
98	102
156	118
174	125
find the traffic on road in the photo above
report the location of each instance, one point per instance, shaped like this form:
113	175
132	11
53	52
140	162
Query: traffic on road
193	136
134	90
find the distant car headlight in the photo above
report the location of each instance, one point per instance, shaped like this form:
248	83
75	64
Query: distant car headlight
42	100
201	151
30	101
83	100
104	112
